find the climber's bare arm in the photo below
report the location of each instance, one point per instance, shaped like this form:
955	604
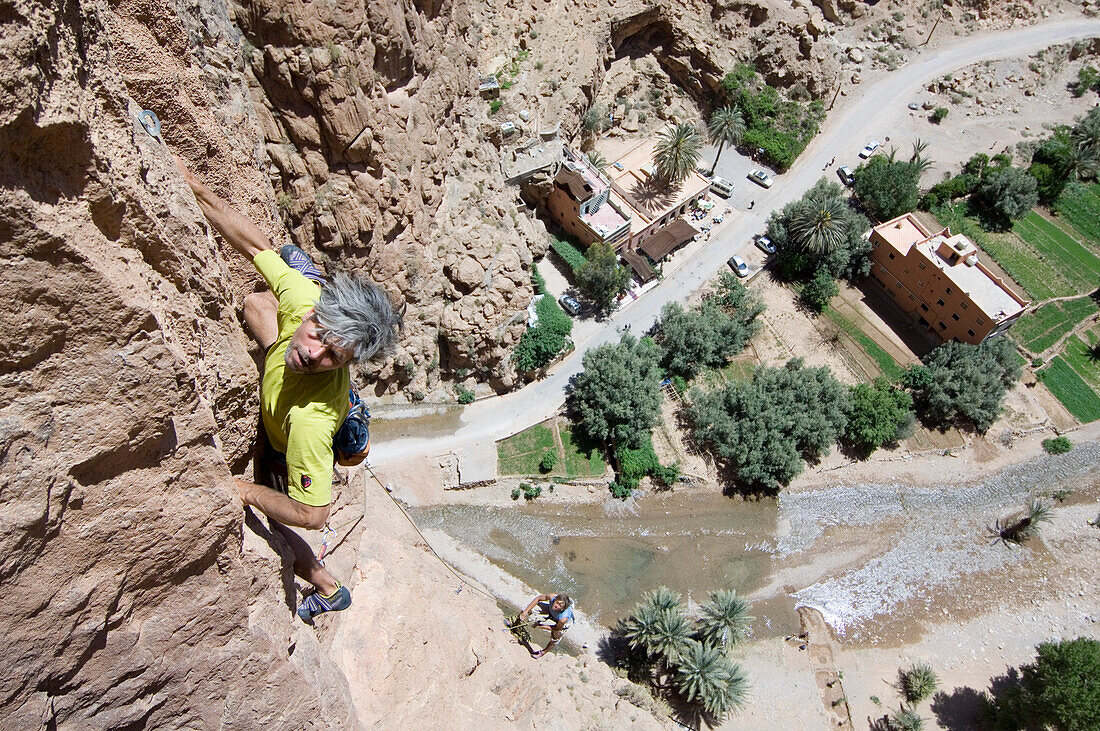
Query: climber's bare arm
286	510
242	234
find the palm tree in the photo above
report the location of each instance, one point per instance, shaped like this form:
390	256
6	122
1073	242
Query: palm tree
1027	525
662	598
1084	162
725	619
597	159
918	682
726	127
917	159
1086	133
705	675
677	152
820	225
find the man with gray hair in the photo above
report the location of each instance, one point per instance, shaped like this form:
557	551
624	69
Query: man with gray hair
311	334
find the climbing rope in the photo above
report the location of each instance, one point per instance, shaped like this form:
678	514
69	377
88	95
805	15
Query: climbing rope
327	546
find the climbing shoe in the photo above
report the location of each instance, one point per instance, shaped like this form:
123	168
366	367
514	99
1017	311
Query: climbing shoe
317	603
299	261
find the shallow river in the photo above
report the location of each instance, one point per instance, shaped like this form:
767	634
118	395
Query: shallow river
856	552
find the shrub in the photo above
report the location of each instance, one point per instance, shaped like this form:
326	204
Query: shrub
539	344
548	461
619	492
516	493
1061	689
537	280
939	114
947	190
530	492
817	293
495	105
569	253
918	682
465	395
1088	79
1057	445
906	719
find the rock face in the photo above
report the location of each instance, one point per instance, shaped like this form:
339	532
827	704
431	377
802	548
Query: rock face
128	598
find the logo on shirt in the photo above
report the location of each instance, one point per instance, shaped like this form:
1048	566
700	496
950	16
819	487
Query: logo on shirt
306	481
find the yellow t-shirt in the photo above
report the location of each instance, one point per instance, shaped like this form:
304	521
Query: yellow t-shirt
301	412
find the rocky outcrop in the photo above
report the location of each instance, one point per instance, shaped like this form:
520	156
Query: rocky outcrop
128	601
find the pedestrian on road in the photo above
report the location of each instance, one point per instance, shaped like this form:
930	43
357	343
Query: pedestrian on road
751	204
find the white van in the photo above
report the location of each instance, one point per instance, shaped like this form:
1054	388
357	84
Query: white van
721	186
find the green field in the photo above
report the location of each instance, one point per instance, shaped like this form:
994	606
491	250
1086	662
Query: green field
1080	206
1071	390
1077	355
580	461
739	370
885	362
1042	328
521	453
1077	264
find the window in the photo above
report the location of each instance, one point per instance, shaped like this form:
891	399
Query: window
897	284
924	307
921	265
954	317
891	255
970	332
942	326
965	306
940	303
912	297
920	284
948	290
981	321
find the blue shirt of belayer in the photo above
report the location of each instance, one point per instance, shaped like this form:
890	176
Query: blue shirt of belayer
555	613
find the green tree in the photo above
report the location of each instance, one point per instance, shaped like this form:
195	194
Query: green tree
850	258
602	279
725	619
962	381
819	291
677	152
706	676
706	336
726	127
877	414
597	159
1086	133
1007	193
887	187
617	397
659	626
540	343
1060	690
820	226
765	427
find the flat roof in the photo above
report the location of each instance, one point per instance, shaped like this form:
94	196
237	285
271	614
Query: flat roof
985	291
632	175
902	232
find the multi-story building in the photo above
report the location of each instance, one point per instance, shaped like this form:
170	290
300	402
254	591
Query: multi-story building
940	281
624	205
582	202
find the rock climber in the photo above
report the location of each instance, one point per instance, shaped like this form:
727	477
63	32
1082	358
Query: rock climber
311	334
553	612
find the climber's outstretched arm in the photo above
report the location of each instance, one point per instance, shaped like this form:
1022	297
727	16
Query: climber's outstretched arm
242	234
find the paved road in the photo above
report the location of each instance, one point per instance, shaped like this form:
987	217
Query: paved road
867	113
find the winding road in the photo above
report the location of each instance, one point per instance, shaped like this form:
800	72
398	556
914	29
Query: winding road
868	112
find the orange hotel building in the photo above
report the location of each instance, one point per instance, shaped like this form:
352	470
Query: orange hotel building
940	281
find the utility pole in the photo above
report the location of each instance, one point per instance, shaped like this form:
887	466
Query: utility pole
932	31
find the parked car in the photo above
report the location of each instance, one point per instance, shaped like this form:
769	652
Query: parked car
764	244
760	178
721	186
738	265
869	149
846	175
569	304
